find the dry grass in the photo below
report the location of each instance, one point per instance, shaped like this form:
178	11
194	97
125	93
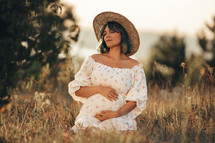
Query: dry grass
179	115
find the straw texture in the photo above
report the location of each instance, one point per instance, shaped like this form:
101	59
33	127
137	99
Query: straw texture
102	18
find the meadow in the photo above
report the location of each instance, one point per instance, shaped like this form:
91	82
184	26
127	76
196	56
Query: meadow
178	115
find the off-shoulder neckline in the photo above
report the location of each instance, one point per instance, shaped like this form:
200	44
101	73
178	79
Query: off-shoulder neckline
138	65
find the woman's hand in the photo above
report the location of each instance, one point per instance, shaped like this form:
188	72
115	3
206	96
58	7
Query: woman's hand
108	92
106	114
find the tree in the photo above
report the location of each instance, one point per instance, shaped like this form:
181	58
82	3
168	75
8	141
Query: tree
201	67
208	44
31	37
164	65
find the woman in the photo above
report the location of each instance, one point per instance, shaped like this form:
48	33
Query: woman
111	85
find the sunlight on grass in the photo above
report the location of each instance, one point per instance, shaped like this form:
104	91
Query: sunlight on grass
181	114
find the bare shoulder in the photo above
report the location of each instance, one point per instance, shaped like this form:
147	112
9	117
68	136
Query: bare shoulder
94	56
97	57
133	62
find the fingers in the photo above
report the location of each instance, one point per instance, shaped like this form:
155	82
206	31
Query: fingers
99	117
103	112
103	115
109	97
109	93
112	97
113	94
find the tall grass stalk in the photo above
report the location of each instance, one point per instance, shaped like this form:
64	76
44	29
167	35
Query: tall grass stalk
182	114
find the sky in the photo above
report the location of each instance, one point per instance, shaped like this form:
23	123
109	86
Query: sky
184	16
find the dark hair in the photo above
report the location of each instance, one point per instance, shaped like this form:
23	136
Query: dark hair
126	47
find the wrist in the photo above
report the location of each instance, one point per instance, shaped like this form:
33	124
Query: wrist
98	89
117	114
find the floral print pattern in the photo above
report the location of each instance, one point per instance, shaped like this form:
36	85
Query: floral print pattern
130	85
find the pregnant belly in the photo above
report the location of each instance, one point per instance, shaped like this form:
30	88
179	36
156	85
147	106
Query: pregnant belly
98	103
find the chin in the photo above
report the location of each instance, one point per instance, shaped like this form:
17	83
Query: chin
111	46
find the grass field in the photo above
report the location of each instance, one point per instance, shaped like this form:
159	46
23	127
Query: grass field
180	115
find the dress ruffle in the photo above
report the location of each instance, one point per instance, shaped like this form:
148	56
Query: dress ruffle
130	85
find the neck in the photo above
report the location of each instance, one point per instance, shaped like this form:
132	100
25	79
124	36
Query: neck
115	53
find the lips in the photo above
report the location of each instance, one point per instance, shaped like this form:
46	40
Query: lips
108	40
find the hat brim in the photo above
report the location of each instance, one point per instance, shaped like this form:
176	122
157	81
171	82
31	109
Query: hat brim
101	19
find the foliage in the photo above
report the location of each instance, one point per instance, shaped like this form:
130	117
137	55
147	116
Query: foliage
208	44
164	64
197	72
31	37
198	66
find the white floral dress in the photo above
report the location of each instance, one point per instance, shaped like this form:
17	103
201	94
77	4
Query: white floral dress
130	85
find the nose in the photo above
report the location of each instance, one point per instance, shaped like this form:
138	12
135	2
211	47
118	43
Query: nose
108	34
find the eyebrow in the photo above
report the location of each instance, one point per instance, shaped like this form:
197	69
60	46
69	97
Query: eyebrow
109	30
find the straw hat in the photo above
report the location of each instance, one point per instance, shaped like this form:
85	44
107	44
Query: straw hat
101	19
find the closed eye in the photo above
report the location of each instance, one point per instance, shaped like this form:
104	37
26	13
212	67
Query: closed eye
105	33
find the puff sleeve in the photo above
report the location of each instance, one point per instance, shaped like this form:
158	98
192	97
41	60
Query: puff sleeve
138	92
82	78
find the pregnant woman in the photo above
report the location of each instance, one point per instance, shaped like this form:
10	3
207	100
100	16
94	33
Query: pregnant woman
111	85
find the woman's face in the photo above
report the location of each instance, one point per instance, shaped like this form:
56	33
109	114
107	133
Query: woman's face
112	38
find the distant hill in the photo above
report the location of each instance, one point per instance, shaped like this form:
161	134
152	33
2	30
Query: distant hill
87	44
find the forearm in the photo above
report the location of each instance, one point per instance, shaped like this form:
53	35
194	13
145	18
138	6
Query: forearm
87	91
128	107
